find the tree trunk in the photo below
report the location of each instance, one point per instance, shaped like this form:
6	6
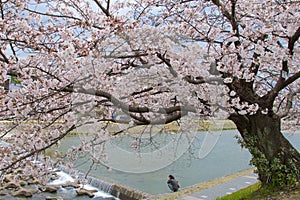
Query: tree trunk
276	160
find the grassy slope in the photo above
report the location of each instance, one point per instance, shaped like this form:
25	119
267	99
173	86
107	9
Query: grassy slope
257	193
204	125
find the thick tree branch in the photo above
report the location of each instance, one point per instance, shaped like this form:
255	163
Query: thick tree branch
201	80
160	120
136	55
290	80
269	98
281	84
134	109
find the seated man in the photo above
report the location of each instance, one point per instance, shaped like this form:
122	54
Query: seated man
173	184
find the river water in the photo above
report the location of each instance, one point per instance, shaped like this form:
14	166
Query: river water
207	156
221	156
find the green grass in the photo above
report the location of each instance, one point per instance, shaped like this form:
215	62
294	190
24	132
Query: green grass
258	192
245	193
201	125
216	125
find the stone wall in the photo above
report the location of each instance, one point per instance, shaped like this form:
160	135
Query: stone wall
126	193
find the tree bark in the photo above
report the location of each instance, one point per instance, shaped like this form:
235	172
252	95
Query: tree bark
276	160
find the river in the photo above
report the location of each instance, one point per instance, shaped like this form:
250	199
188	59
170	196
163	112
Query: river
224	157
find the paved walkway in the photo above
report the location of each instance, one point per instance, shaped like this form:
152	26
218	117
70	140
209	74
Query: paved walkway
223	189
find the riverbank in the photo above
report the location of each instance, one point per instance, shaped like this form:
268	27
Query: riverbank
196	125
202	186
173	127
116	128
256	192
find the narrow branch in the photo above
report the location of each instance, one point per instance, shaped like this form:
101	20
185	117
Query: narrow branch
232	19
168	63
1	9
60	16
53	142
5	59
293	40
105	11
56	118
224	11
8	131
107	6
142	91
13	51
51	15
230	16
289	103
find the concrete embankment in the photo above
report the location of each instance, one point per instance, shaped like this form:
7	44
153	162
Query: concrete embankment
120	191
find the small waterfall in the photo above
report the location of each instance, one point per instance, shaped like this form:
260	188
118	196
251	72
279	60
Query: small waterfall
102	185
117	191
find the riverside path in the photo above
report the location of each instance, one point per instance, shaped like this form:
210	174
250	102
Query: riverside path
222	189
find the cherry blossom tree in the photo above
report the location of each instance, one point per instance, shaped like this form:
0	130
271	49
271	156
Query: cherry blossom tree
156	61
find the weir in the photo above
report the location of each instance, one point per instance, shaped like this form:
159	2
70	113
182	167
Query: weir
104	186
117	190
126	193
